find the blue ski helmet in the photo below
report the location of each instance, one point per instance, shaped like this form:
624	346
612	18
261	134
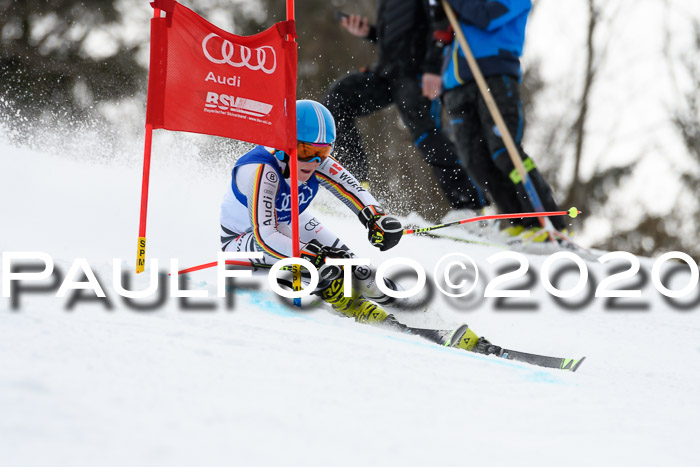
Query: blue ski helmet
315	124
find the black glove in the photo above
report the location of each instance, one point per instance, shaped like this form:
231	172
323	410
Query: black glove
316	254
384	231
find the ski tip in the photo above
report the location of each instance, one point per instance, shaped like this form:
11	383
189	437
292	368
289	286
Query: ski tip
576	363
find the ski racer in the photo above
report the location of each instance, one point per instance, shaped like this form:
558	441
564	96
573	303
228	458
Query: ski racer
256	212
256	215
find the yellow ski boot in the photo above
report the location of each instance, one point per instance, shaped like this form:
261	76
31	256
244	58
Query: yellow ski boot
355	306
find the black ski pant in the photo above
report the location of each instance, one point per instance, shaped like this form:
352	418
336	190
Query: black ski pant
483	152
363	93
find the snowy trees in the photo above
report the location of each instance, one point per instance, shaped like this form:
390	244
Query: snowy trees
66	56
687	122
54	56
607	123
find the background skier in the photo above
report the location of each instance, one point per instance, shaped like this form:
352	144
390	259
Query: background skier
495	31
406	74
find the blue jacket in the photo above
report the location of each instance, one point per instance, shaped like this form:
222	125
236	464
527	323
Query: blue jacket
495	31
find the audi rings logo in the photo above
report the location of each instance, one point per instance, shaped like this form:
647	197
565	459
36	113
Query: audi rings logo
239	56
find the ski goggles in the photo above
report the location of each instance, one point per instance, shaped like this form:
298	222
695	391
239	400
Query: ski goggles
313	152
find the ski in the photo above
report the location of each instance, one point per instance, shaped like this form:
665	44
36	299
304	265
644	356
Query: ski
464	338
438	336
569	364
364	311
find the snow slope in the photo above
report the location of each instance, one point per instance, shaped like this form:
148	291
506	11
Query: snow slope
256	383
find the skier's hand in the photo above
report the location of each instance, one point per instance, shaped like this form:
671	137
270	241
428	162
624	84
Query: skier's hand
356	25
384	231
432	85
316	254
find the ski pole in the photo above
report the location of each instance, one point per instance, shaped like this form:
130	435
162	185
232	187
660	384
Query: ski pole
231	262
500	123
572	212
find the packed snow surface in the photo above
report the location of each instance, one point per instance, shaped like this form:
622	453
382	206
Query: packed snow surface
95	382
